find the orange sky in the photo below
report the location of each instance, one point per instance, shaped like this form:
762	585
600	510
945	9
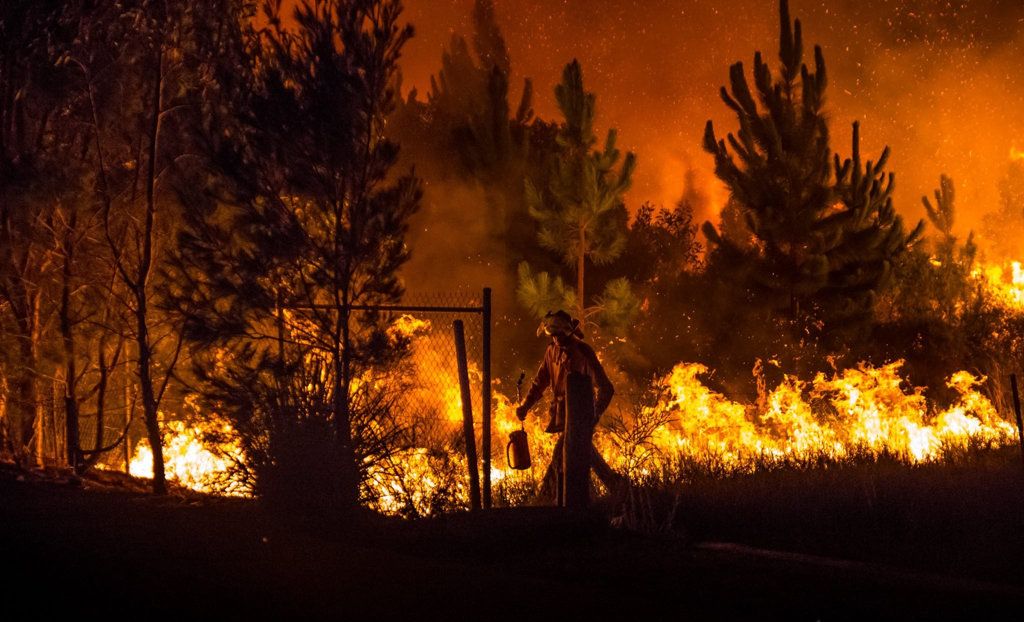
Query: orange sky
940	82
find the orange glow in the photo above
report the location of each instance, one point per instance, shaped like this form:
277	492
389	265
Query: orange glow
190	461
1003	284
836	416
656	68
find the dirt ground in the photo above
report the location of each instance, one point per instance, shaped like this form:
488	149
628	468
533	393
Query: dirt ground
93	549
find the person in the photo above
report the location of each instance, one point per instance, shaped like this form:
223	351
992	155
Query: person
565	354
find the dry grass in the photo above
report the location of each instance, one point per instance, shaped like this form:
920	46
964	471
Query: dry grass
963	515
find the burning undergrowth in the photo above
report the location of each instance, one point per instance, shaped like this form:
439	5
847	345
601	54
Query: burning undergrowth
676	425
871	339
849	413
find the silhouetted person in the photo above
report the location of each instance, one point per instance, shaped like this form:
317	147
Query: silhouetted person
566	354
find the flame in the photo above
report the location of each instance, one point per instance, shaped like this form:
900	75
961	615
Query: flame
433	474
837	416
408	327
1016	155
1003	284
190	460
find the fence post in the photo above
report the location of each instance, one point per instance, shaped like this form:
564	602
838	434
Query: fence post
486	393
576	441
467	414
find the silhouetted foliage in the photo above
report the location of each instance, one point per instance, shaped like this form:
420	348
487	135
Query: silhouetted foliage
580	212
823	245
306	210
1003	229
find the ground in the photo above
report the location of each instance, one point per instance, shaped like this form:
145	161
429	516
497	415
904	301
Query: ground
98	549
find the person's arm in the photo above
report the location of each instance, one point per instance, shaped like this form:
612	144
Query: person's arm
540	383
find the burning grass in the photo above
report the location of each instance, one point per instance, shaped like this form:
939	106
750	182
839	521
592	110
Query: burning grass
201	456
864	409
678	430
1004	284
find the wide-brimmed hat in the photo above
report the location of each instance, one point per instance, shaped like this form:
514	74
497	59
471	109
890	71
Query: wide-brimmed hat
559	323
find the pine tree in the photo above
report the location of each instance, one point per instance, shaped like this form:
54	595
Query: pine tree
823	245
942	215
303	219
469	107
951	263
580	212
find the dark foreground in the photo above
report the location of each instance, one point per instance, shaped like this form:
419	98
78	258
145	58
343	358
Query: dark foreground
92	550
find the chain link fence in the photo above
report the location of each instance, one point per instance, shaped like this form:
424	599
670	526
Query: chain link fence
434	403
430	405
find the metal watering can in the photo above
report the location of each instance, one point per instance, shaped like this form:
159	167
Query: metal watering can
517	452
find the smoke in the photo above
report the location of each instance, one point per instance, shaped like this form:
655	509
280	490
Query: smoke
451	242
938	82
454	252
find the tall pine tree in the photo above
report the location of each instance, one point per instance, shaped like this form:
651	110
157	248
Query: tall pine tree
825	231
469	105
580	212
303	219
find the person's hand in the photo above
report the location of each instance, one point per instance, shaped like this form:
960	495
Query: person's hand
521	411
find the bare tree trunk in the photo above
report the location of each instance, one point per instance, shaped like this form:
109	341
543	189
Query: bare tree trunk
145	351
25	403
39	434
4	421
58	444
27	427
149	405
90	458
348	478
101	397
129	407
580	267
71	411
101	405
348	475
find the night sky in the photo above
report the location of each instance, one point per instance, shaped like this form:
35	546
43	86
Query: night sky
941	82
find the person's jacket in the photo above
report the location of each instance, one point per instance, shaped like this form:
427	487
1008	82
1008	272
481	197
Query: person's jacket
554	372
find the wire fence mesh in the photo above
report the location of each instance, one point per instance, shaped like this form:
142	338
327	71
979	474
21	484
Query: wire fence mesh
432	404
